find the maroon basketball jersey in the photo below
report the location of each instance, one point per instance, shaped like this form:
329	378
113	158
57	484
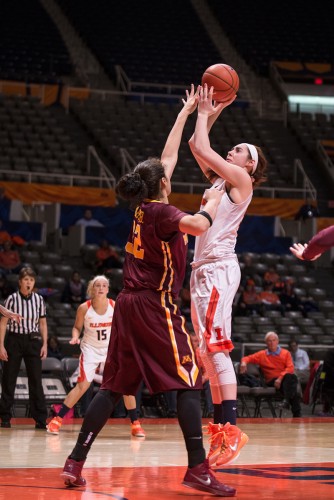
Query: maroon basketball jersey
156	249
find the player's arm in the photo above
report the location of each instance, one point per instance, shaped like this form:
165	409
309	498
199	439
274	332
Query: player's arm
170	152
321	242
236	176
200	222
79	322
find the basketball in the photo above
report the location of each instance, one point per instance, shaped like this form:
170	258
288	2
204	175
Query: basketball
224	79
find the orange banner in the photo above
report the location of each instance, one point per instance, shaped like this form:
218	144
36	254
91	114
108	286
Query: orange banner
32	193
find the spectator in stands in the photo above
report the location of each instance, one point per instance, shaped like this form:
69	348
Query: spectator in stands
247	270
278	370
10	260
288	297
74	291
250	302
88	220
107	258
269	299
301	362
272	276
328	385
54	348
5	236
5	288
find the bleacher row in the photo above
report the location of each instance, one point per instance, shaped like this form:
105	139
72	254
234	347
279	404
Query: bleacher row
33	140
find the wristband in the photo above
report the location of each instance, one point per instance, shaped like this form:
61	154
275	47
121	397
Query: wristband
206	215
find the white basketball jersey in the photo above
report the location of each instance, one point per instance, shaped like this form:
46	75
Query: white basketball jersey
220	239
97	327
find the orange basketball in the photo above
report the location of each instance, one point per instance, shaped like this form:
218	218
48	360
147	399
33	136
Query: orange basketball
223	79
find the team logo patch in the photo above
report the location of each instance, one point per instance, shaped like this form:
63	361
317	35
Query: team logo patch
186	359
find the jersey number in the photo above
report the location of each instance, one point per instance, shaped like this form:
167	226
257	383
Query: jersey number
134	247
101	334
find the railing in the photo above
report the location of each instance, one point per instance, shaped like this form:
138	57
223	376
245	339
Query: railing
104	171
128	162
95	181
309	190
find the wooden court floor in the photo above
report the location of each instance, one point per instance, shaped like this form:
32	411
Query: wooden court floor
285	459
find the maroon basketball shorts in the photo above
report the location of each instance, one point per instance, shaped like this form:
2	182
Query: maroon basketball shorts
149	342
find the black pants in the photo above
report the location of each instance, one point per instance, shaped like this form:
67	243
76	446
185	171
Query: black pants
20	347
289	389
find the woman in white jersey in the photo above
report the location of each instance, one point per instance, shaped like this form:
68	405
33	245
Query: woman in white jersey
95	318
216	273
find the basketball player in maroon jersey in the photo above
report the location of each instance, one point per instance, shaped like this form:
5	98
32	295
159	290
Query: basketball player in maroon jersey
312	250
149	340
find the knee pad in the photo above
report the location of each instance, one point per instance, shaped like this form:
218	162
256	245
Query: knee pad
220	368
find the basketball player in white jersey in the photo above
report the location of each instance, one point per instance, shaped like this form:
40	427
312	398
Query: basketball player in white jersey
95	318
216	273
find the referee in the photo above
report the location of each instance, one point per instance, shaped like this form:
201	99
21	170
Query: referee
25	340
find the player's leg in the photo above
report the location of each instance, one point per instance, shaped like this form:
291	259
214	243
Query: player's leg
131	406
96	417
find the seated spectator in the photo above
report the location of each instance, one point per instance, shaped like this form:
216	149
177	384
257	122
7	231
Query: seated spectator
249	302
247	269
5	236
278	370
75	290
107	258
271	276
88	220
308	305
289	299
301	362
5	288
328	386
270	301
10	260
54	348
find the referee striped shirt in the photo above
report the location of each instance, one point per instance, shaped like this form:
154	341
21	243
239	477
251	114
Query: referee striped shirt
31	308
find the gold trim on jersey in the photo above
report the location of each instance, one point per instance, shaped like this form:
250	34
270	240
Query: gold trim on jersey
168	261
188	377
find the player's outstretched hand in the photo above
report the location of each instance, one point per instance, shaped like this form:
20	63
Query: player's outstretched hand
190	104
297	249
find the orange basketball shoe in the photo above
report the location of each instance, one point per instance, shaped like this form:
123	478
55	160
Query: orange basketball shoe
233	439
54	425
137	430
215	440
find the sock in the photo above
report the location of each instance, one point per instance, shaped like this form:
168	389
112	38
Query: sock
63	410
230	411
133	415
218	414
190	419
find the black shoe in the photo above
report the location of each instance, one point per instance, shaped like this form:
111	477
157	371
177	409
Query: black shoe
284	405
40	425
5	424
297	414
